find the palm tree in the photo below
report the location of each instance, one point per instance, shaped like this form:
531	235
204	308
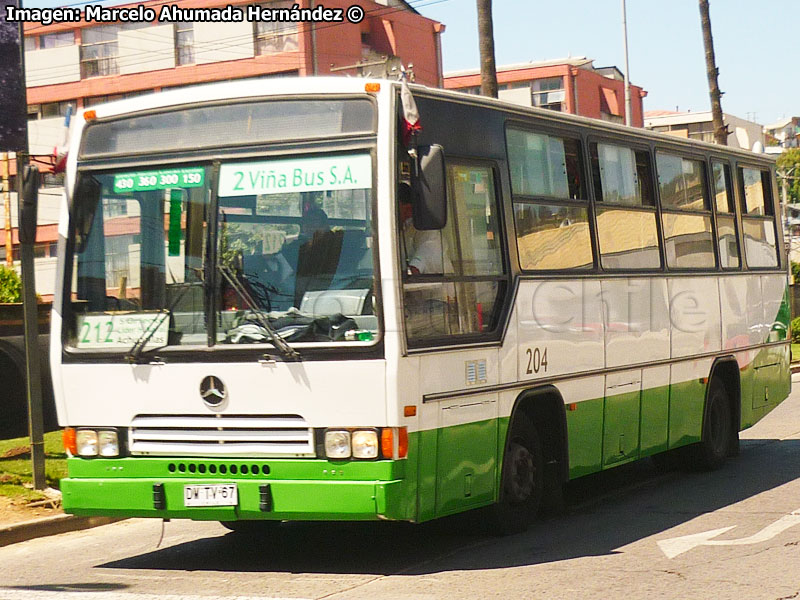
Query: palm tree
720	129
486	45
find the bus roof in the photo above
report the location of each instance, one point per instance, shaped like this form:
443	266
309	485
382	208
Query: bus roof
290	86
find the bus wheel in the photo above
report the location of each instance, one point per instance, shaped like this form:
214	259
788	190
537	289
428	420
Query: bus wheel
254	528
522	478
711	452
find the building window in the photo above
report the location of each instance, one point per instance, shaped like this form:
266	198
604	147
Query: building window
475	90
100	49
549	93
30	43
57	40
184	43
702	131
93	100
49	110
52	180
272	37
54	109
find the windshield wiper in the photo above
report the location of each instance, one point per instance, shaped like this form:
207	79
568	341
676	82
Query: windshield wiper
263	321
134	355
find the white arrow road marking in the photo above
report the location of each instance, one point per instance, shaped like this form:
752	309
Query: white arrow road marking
675	546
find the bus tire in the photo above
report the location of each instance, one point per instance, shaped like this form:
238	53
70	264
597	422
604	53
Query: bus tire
714	448
522	480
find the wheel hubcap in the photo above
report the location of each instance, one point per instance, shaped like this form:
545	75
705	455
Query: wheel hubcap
523	474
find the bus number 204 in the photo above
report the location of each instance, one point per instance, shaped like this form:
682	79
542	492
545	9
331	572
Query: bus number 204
537	360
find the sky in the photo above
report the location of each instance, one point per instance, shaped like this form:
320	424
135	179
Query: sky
755	43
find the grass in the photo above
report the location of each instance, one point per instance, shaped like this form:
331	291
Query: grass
795	352
15	466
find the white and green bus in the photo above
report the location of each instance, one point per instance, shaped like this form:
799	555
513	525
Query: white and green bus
277	302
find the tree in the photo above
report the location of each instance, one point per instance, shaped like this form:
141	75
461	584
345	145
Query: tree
788	165
720	129
486	46
10	285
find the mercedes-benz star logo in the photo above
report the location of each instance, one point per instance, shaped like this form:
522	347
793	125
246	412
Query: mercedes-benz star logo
212	390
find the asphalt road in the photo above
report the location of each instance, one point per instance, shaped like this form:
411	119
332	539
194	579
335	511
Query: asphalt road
624	535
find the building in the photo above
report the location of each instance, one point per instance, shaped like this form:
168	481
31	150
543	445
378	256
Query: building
784	133
572	85
697	126
79	64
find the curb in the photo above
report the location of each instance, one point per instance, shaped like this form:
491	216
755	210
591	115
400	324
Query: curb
28	530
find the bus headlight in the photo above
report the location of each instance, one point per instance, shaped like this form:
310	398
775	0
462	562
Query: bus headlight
97	442
108	443
86	442
337	443
365	443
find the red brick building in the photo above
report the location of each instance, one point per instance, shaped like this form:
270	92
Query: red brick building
572	85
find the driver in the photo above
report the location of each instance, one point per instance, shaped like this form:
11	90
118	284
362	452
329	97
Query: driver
424	251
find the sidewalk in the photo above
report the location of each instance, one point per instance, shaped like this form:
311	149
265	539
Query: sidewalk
62	523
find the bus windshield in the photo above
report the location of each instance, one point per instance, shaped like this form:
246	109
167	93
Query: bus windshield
161	261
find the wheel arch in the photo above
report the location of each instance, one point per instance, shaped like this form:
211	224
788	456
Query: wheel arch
544	406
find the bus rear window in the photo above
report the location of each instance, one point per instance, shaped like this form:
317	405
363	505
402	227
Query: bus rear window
228	124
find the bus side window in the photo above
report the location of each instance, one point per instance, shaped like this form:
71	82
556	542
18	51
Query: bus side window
686	212
551	211
760	245
626	217
727	239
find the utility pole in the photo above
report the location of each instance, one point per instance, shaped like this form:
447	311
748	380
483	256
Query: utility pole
712	72
486	46
7	206
627	67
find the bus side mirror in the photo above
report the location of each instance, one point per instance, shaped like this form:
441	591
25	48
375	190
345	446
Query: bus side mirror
29	206
430	189
84	204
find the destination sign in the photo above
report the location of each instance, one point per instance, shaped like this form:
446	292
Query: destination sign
348	172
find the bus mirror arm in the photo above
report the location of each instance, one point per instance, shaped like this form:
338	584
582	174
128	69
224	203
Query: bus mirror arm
428	183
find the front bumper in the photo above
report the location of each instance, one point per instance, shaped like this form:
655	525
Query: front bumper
298	489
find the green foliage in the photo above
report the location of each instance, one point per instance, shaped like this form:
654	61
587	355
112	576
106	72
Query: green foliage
10	285
786	161
796	330
796	272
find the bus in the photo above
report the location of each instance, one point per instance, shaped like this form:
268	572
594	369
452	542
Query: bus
355	299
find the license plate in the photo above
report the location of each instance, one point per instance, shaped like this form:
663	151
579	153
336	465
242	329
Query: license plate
220	494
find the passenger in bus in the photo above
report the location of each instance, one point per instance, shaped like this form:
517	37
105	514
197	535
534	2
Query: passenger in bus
425	254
